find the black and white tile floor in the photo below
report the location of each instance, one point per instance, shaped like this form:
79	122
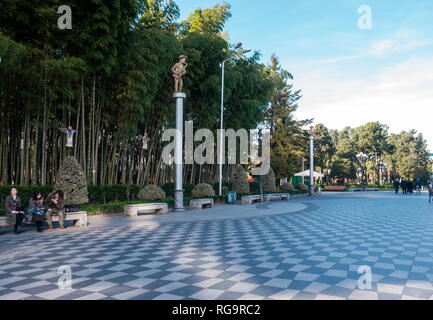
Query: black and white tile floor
312	254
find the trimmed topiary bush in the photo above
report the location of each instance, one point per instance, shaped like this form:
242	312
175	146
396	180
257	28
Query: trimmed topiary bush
240	180
203	190
72	181
287	187
151	193
268	180
302	187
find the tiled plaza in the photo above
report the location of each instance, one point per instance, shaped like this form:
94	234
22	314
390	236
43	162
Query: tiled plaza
304	248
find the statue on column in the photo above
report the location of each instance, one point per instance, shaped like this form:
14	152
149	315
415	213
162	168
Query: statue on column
179	70
69	136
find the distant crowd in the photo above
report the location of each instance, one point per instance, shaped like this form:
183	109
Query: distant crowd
409	186
39	210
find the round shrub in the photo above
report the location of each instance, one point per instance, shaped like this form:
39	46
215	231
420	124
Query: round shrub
203	190
287	187
151	193
240	180
302	187
269	184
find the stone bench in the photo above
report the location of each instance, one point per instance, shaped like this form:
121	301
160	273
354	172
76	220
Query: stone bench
133	210
198	204
251	199
334	188
79	217
276	196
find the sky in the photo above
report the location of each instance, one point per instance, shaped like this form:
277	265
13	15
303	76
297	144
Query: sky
348	75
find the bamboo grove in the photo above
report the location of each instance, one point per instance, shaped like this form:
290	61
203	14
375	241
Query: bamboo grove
109	78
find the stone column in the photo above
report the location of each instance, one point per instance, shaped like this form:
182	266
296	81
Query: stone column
178	151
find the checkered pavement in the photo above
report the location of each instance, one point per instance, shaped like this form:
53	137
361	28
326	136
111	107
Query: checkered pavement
313	254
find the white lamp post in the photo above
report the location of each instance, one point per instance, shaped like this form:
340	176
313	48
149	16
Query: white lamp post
221	144
311	189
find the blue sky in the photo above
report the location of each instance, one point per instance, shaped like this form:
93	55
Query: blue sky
348	75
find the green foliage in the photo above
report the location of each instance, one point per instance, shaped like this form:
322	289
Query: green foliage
112	193
203	190
288	143
151	193
302	187
324	148
409	155
227	186
208	21
287	187
254	187
240	180
343	168
169	189
159	14
269	183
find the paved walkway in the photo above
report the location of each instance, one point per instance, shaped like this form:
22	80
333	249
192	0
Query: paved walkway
305	248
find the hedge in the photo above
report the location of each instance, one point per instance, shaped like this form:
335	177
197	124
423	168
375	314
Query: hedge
170	187
117	207
112	198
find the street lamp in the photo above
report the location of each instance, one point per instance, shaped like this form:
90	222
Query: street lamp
311	189
221	144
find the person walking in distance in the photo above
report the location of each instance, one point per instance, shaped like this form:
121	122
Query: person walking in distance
430	191
410	187
396	186
403	185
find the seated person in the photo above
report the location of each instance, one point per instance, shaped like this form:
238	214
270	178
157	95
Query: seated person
14	210
37	210
56	205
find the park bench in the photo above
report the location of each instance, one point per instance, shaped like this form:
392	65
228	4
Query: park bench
277	196
198	204
251	199
335	188
80	219
133	210
4	222
356	190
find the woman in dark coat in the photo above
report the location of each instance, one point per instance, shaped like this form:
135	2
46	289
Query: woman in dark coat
396	186
37	210
14	210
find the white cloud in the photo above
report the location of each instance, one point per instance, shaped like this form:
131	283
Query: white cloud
402	41
400	96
